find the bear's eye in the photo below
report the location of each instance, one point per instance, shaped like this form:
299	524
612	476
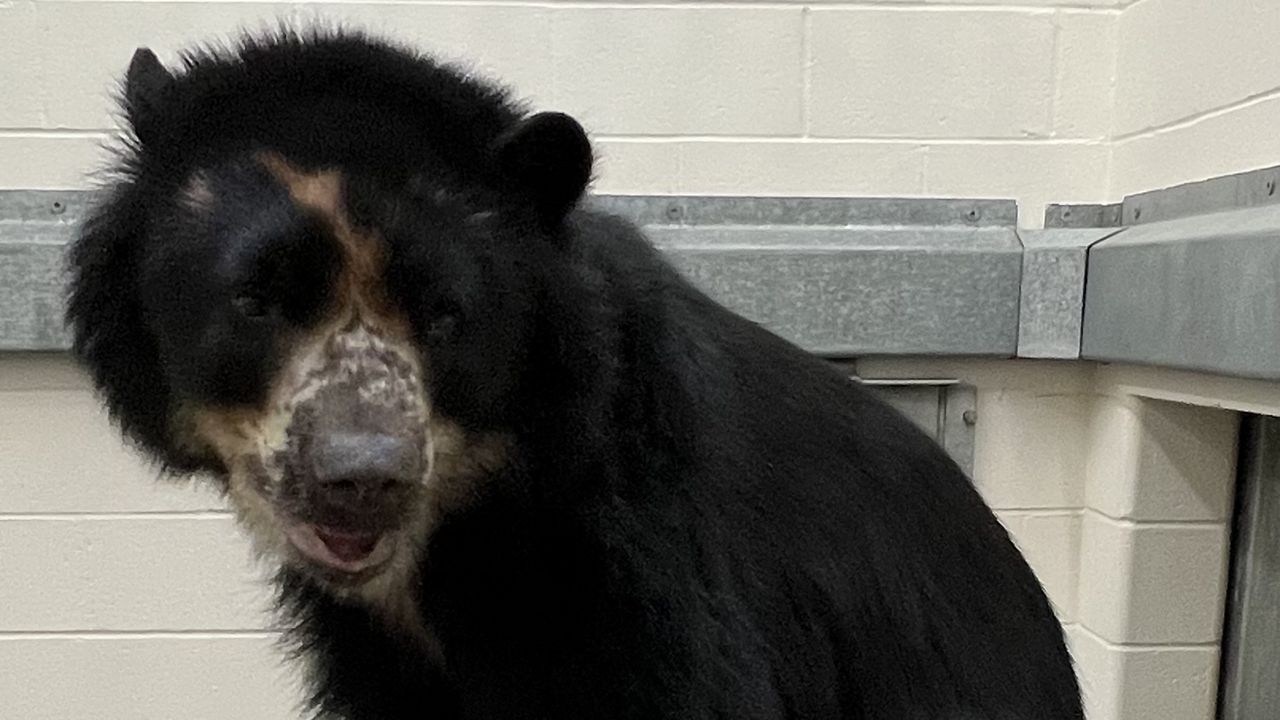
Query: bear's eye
251	306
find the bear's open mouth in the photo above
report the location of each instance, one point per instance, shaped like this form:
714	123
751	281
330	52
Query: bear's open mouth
350	552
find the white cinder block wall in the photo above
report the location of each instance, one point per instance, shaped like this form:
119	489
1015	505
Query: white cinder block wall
825	98
123	597
1194	94
1117	484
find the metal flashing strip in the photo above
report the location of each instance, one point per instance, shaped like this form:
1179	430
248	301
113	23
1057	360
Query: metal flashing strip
840	277
1252	188
807	211
1087	215
895	276
1255	188
1051	309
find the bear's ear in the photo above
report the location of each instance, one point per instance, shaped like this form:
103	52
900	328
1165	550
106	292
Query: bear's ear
547	158
144	86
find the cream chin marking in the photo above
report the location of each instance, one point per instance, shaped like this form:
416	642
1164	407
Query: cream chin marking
250	495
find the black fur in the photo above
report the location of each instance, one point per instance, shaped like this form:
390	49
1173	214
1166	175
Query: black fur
698	520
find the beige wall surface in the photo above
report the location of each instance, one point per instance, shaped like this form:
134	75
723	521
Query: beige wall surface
1038	100
991	99
124	596
1194	94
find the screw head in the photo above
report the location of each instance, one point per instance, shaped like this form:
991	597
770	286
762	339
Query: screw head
674	212
58	208
972	215
970	417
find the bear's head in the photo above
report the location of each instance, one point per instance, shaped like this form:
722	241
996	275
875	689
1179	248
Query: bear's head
318	277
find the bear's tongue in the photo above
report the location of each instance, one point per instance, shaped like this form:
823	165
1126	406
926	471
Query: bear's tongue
347	545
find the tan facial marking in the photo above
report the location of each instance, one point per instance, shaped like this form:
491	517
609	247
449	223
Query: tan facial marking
360	287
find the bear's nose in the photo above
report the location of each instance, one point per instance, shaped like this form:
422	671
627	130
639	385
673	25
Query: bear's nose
359	467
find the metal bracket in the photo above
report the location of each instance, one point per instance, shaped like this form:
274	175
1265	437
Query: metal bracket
945	409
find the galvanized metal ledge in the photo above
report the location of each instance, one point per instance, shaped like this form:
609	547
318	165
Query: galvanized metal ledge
848	278
1198	292
840	277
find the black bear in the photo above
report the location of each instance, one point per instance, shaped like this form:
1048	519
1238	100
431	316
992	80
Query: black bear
512	465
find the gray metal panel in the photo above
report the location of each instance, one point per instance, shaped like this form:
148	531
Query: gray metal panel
959	418
31	287
842	276
34	227
1228	192
921	404
837	276
941	291
1086	215
1250	679
1199	293
1052	303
